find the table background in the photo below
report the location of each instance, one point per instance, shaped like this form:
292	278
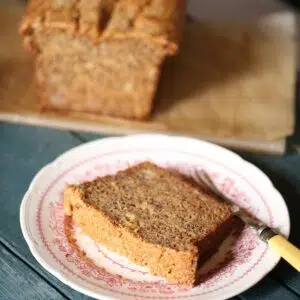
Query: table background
24	150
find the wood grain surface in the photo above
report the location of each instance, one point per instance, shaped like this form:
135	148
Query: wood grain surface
12	269
231	83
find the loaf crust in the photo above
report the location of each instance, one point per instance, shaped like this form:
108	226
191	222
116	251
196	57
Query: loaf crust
176	265
155	21
66	35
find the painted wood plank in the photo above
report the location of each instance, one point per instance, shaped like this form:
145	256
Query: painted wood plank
87	137
268	289
23	151
18	281
29	143
285	175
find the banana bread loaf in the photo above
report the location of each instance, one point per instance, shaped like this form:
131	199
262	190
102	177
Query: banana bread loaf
154	217
101	56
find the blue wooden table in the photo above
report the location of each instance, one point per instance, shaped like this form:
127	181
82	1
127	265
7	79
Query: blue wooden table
24	150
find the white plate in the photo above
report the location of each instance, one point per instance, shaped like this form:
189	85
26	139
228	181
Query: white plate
112	276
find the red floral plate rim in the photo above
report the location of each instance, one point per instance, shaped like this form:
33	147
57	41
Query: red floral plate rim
111	281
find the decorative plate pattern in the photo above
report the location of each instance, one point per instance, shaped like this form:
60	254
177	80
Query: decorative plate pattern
241	261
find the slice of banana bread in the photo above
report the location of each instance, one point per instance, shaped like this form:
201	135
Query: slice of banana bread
101	56
154	217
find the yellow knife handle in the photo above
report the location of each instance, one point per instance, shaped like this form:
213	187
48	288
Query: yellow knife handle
282	247
286	250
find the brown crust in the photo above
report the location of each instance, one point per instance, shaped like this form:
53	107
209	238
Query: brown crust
176	266
157	21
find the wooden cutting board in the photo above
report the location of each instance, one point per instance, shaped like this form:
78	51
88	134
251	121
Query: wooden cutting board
232	84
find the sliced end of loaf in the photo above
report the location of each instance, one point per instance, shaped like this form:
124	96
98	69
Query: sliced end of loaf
116	78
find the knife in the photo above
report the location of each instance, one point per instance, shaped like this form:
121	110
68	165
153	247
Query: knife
278	243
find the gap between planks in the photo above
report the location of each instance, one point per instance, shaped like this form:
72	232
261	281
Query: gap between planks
9	250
